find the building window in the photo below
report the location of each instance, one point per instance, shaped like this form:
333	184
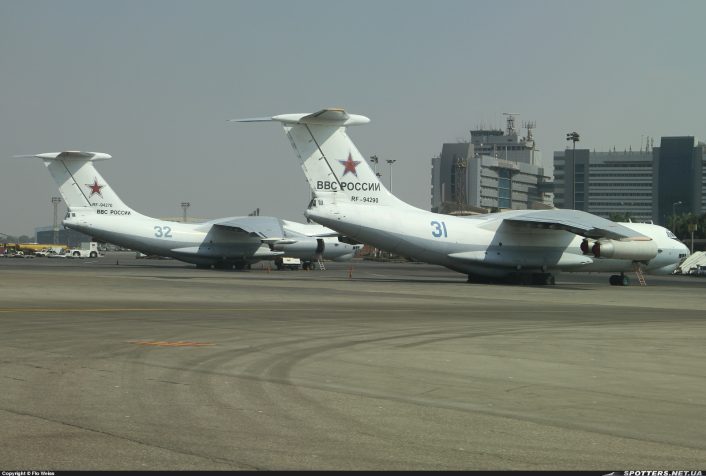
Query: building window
504	188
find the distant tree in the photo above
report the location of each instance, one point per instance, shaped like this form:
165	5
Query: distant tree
449	207
680	225
618	216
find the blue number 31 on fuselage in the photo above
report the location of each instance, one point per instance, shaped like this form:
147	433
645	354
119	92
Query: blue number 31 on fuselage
439	229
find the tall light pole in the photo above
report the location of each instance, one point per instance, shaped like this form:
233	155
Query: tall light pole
573	137
391	161
692	228
184	206
56	201
674	216
374	159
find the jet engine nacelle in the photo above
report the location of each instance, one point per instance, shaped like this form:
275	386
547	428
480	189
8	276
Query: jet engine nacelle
306	246
586	246
632	250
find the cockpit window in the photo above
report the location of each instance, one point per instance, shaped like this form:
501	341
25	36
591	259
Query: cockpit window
671	235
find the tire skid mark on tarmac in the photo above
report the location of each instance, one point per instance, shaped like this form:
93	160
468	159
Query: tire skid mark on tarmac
257	395
277	368
180	407
292	405
124	438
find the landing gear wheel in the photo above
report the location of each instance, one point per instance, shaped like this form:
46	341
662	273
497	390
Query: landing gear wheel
475	279
619	280
543	279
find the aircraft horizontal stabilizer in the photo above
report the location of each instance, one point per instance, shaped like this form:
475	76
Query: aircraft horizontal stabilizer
324	117
69	154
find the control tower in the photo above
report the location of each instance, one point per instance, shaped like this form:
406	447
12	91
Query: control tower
507	144
497	170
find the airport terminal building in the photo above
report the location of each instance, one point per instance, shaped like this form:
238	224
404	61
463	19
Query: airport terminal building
651	184
62	236
496	170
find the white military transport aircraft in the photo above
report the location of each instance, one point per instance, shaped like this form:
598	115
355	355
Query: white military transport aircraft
235	242
528	246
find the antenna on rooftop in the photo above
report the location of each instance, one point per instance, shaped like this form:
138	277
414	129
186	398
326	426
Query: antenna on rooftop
510	121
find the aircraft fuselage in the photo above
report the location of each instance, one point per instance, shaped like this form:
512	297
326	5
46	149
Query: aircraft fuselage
497	250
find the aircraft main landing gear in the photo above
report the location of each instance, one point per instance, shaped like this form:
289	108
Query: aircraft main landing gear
543	279
619	280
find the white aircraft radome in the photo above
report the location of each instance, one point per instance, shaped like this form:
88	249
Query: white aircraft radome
517	245
233	242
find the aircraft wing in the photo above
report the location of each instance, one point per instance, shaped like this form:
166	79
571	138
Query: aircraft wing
263	228
240	236
313	230
575	221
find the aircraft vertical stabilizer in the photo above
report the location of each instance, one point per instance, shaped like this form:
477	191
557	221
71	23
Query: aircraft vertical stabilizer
79	182
335	169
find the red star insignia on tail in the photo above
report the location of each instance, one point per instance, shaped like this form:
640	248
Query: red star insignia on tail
95	188
349	165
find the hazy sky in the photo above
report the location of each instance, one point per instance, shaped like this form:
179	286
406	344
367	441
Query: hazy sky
153	83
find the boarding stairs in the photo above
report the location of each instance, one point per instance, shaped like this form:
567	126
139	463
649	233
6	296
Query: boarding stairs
640	275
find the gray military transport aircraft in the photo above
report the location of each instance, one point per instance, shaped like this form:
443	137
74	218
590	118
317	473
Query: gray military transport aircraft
234	242
528	246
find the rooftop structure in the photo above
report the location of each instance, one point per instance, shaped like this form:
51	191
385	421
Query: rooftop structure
496	170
